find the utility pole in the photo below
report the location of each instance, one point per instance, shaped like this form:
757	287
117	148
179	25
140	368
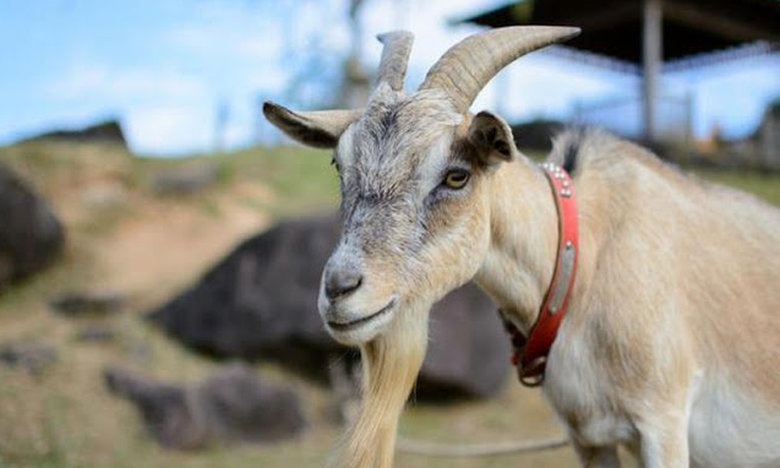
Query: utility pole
652	56
220	125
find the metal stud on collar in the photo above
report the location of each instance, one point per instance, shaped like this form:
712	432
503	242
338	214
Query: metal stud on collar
530	357
558	173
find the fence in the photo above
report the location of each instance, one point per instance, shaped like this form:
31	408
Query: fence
623	115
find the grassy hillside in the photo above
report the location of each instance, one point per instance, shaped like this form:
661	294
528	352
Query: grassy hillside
124	235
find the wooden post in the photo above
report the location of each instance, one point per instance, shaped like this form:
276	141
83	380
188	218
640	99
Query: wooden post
221	117
689	119
652	56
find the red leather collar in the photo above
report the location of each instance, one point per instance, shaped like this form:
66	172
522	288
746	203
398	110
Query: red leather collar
530	356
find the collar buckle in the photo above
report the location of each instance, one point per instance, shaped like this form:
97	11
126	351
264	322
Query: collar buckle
532	374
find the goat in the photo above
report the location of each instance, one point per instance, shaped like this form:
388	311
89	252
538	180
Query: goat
671	344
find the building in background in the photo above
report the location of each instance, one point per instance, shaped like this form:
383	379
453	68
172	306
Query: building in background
648	38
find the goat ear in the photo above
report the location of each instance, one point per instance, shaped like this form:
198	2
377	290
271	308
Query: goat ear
320	129
492	138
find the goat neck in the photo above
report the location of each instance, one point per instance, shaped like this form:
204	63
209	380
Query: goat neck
519	264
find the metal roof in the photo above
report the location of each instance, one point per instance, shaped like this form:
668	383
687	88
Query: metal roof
692	29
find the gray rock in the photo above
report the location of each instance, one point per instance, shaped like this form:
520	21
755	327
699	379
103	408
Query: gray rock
31	236
237	406
185	179
231	405
87	303
32	357
260	303
163	407
96	334
468	351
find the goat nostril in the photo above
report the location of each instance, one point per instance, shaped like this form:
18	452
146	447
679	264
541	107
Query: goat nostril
342	282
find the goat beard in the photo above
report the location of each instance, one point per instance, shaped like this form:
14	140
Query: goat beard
391	363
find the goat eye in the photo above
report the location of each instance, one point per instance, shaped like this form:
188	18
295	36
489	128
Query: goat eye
456	179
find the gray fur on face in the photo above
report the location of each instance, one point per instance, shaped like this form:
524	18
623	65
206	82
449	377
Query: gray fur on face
390	160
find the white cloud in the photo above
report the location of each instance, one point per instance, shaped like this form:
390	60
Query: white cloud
99	80
188	127
257	44
170	129
428	22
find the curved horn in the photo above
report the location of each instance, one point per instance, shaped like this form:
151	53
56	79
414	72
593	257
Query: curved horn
466	67
395	56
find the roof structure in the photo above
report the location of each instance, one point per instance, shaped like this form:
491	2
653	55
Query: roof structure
649	37
692	30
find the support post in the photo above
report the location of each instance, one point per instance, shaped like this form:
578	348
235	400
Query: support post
689	119
652	55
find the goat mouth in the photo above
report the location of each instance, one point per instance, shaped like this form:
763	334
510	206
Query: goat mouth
347	326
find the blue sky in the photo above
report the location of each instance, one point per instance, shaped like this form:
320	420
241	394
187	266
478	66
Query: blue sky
163	66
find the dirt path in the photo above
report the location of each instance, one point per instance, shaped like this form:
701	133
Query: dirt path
166	244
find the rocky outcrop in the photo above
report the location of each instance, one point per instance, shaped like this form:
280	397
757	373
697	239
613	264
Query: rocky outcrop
31	236
260	303
468	351
185	179
87	303
231	405
31	356
109	131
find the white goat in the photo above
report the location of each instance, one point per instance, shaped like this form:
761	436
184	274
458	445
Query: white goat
671	344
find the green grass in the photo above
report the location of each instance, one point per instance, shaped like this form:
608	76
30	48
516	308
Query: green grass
763	185
301	179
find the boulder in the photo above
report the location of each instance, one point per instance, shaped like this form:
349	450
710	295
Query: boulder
87	303
231	405
468	351
186	179
31	236
260	303
96	333
237	406
30	356
163	407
